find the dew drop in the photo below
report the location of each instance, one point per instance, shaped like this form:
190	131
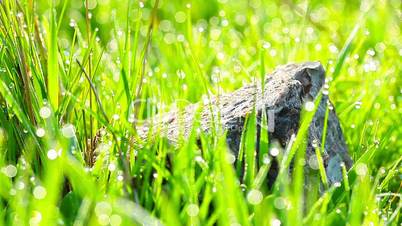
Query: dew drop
52	154
274	151
39	192
68	131
275	222
230	158
180	17
371	52
266	159
315	143
254	197
361	169
266	45
309	106
36	218
72	23
111	167
358	104
40	132
180	38
193	210
116	117
9	171
280	203
120	178
199	159
45	112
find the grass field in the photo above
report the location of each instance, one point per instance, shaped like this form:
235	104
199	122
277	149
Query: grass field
77	76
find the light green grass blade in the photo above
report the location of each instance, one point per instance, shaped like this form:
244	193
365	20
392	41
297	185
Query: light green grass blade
52	61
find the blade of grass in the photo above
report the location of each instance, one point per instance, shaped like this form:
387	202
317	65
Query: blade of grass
52	62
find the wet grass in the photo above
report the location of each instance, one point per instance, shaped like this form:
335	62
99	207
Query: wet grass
77	78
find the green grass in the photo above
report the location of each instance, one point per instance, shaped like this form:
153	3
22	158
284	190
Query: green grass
75	74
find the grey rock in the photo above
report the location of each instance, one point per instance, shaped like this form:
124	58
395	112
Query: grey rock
286	90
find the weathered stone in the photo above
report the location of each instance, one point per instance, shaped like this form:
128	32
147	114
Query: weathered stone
285	91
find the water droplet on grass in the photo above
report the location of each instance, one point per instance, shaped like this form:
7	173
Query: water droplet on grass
9	171
315	143
116	117
333	48
266	45
68	131
180	38
193	210
275	222
313	162
35	219
309	106
371	52
40	132
266	159
254	197
243	187
120	178
111	167
72	23
199	159
274	151
230	158
45	112
52	154
361	169
358	104
39	192
180	17
280	203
